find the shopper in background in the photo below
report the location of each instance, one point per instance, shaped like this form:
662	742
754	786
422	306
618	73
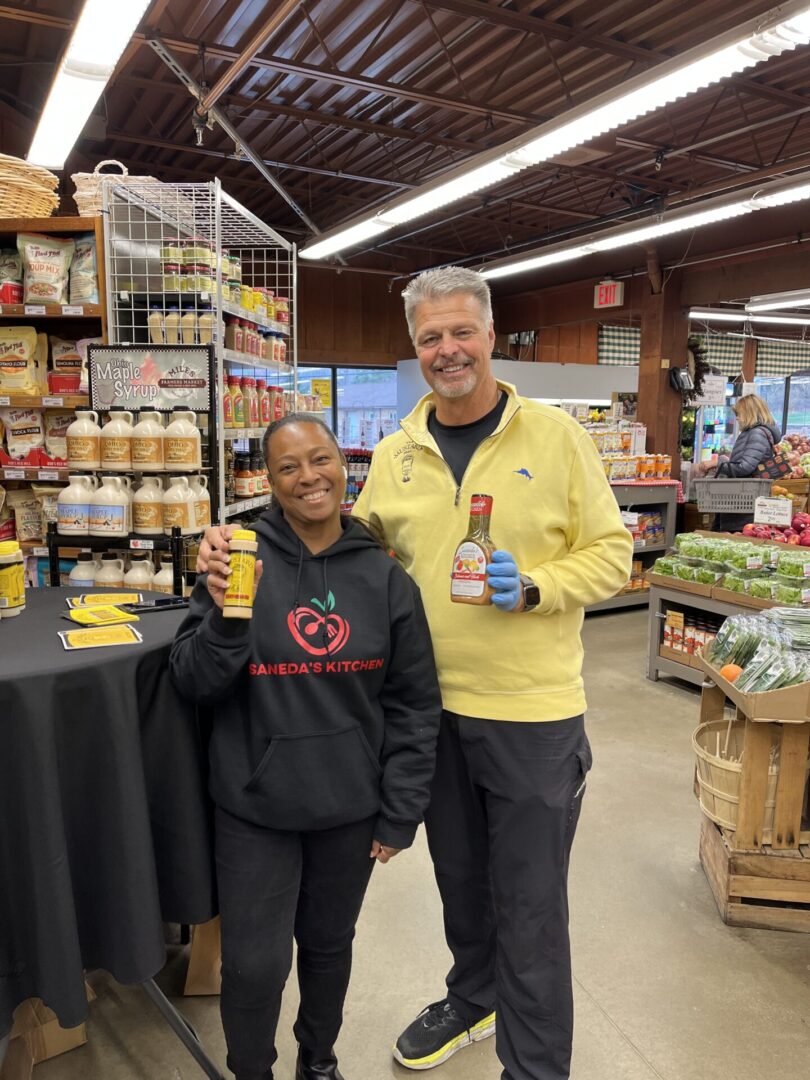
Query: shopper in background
759	434
325	709
512	756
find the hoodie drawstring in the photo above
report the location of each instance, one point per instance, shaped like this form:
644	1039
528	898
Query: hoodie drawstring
325	634
298	575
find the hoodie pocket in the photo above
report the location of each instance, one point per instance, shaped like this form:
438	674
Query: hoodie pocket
316	781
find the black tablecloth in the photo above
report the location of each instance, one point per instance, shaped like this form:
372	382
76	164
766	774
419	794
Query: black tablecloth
104	818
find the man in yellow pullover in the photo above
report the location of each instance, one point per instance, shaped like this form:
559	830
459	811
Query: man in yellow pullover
512	754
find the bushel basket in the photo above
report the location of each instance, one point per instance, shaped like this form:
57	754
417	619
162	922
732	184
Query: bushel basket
89	196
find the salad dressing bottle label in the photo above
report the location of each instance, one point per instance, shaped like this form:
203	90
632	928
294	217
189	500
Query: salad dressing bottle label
468	578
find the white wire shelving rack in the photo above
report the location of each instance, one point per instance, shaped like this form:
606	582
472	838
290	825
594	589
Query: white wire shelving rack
143	220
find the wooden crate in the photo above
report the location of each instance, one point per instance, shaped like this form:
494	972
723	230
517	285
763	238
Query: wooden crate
766	890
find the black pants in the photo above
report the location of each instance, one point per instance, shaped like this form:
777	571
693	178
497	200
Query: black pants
273	886
504	808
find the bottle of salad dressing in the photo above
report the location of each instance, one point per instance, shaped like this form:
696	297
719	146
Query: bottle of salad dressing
468	579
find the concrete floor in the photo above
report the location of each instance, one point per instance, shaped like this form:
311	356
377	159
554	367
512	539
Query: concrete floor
663	989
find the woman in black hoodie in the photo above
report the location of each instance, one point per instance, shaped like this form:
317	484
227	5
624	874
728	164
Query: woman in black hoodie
325	709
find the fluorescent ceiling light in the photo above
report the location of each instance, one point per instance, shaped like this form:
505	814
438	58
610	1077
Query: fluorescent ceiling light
712	211
99	38
726	55
772	301
708	315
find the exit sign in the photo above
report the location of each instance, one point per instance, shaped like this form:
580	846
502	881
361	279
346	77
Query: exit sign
608	294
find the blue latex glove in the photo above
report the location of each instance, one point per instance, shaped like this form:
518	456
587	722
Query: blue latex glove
504	577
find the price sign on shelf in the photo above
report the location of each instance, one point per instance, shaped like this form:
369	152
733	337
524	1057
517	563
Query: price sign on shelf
72	309
14	474
5	400
630	519
142	545
48	474
53	402
773	511
35	309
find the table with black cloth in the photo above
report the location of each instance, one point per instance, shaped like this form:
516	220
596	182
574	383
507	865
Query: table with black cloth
104	817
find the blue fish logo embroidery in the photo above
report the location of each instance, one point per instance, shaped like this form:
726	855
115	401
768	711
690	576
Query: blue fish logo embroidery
524	472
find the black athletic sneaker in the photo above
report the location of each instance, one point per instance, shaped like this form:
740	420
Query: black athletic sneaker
436	1034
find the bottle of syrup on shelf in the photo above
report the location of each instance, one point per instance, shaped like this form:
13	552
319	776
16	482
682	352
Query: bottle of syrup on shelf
468	578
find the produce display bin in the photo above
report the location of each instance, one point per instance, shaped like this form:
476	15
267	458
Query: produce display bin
752	773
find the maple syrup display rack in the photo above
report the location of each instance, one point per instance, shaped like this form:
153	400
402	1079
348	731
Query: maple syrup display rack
174	543
146	227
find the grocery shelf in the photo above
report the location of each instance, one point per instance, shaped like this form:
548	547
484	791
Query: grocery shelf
247	360
27	473
239	312
243	433
650	547
244	505
50	311
633	598
48	401
680	671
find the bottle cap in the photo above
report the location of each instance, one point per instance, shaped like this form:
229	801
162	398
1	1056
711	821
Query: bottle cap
10	547
244	534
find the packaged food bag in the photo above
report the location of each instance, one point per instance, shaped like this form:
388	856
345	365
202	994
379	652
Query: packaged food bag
47	495
27	514
11	287
25	430
82	347
18	360
57	421
41	364
8	529
65	356
84	271
46	267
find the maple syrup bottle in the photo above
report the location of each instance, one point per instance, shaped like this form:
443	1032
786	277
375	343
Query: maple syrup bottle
468	580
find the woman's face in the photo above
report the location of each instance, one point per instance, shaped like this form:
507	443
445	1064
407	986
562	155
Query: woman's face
306	473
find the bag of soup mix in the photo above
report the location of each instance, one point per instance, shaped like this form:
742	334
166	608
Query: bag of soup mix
46	265
25	430
83	271
27	514
18	360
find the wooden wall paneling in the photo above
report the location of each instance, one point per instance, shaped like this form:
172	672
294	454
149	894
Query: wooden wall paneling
569	344
664	334
549	348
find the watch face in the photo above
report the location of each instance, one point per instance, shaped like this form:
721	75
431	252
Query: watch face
531	595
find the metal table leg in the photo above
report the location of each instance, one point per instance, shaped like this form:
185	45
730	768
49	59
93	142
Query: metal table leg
183	1029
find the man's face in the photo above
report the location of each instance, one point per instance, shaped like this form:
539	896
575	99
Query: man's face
453	343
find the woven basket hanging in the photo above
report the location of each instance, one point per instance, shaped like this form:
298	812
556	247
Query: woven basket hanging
88	195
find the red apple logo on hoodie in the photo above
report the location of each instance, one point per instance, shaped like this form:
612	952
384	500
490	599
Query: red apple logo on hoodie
308	626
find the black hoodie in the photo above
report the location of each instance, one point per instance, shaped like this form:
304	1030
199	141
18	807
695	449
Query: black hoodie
326	702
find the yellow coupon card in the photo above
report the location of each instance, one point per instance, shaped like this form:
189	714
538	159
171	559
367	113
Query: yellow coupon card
100	637
100	616
103	598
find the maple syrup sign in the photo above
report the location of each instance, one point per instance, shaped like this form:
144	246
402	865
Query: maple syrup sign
155	376
608	294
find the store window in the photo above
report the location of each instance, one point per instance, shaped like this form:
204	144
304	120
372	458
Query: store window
772	391
798	419
361	401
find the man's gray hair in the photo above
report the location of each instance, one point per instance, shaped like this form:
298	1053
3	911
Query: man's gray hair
445	281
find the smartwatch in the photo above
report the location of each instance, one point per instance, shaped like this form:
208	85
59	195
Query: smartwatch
531	593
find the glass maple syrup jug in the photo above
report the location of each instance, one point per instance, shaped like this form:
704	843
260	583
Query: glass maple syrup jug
468	579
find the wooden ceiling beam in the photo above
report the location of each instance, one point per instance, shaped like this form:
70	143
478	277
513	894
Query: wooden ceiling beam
262	105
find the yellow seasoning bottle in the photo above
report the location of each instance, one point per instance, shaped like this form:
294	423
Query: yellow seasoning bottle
238	603
12	580
468	579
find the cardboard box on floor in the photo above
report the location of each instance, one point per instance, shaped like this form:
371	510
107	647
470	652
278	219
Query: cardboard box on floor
38	1036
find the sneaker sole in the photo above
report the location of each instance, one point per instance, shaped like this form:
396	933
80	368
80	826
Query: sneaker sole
477	1033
